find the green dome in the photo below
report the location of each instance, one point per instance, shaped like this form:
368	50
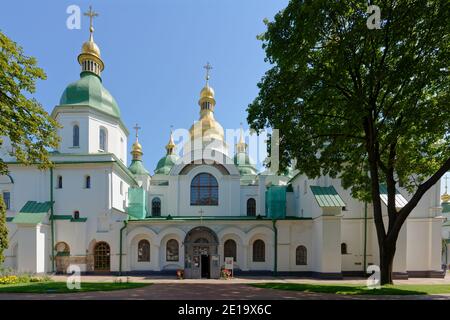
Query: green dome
445	207
137	168
89	91
244	164
166	163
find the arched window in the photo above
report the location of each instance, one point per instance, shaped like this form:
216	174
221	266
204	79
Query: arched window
121	187
76	136
251	207
156	207
87	184
343	248
144	251
204	190
102	257
103	139
300	256
172	250
259	251
59	184
229	249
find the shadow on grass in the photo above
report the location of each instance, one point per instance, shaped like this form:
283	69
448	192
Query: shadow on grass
61	287
341	289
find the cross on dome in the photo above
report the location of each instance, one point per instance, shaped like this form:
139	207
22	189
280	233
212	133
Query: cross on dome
208	68
91	14
137	128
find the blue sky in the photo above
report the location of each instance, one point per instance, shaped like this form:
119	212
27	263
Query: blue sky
154	51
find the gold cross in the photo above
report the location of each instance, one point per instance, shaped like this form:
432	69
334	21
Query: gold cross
208	68
137	128
91	14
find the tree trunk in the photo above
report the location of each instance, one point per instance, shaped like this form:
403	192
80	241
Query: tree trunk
387	253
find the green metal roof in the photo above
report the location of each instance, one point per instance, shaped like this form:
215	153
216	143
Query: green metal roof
89	91
36	207
445	207
244	164
29	218
166	163
68	217
327	196
400	201
61	217
137	168
32	212
215	218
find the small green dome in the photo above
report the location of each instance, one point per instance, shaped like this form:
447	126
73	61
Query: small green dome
137	168
445	207
166	163
89	91
244	164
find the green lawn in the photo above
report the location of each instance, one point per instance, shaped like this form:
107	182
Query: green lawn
404	289
61	287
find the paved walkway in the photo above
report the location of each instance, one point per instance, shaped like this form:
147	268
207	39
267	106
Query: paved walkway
230	291
245	280
233	289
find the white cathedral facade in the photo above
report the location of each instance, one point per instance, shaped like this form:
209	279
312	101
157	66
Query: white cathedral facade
94	210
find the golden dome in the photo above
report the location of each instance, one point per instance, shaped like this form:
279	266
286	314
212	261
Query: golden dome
90	47
445	197
136	147
207	92
170	147
207	128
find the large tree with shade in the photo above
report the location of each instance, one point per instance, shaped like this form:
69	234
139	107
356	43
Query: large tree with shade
368	106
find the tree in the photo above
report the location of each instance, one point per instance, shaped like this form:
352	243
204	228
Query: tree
22	119
368	106
3	230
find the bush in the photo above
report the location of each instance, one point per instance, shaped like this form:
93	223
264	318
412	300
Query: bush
10	276
9	280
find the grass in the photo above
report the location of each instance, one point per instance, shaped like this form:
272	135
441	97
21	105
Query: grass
350	289
61	287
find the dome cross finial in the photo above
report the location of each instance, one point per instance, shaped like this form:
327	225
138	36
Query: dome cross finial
137	128
208	68
91	14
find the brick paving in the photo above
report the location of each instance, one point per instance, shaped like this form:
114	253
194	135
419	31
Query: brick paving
235	289
171	291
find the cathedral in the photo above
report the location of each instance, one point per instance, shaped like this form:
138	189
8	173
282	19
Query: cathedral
195	209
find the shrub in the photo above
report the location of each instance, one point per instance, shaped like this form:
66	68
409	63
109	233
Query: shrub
9	280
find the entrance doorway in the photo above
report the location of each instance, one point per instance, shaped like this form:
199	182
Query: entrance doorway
205	266
201	258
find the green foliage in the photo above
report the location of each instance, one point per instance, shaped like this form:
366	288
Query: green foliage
368	106
354	289
3	230
338	89
61	287
23	120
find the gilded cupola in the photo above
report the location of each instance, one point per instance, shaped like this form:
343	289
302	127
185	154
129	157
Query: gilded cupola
137	166
89	58
207	127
